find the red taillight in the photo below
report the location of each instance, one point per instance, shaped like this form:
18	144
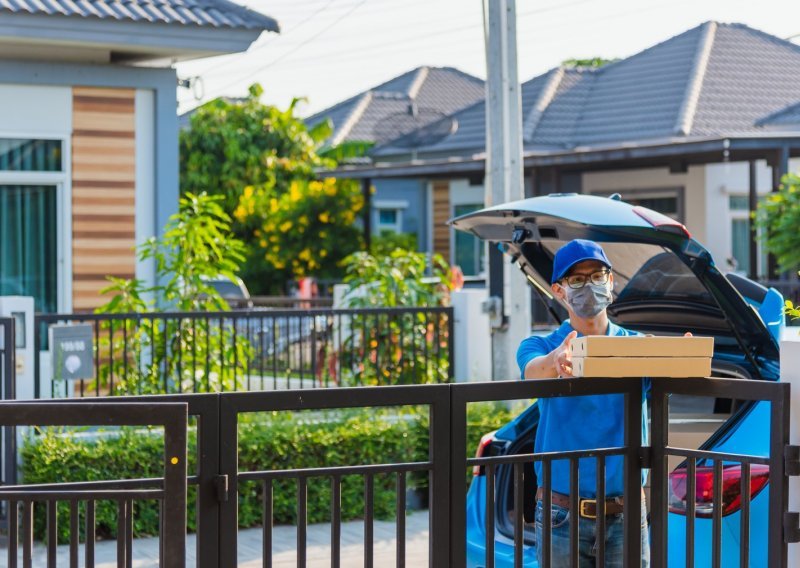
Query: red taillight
486	439
661	221
704	488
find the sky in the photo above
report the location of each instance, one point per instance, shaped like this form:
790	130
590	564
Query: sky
330	50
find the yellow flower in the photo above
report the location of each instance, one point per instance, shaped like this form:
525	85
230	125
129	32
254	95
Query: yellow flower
285	226
294	192
324	217
273	205
303	220
323	253
263	243
305	254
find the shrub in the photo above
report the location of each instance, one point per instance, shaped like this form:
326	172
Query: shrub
266	442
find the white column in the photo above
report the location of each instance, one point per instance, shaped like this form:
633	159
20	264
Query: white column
790	373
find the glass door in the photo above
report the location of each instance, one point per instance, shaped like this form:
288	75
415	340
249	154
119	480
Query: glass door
28	243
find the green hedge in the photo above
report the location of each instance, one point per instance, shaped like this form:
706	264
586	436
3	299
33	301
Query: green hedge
266	442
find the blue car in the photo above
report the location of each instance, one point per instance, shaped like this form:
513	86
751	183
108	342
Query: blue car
665	283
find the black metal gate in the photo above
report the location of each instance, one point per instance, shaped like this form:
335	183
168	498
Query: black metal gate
218	476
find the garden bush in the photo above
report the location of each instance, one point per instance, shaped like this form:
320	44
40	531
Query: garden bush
267	441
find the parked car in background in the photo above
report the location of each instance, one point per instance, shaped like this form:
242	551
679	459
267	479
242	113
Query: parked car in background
666	283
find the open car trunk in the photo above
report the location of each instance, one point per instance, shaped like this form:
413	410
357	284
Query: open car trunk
659	269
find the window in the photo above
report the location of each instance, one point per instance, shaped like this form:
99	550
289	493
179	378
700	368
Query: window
389	216
28	155
668	201
28	244
469	250
32	172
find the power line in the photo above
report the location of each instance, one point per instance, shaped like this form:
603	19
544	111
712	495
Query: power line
384	44
299	46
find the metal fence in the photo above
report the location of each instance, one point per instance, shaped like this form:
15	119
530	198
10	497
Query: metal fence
169	490
164	353
219	478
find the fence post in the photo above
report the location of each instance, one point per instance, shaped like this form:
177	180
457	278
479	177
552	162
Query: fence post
9	371
458	483
659	426
633	475
790	373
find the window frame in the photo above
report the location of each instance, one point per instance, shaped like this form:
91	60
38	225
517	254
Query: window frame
62	180
386	205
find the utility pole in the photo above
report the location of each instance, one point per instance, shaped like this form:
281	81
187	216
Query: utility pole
508	288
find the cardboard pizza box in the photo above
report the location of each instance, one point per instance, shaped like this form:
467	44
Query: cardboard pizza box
606	346
637	367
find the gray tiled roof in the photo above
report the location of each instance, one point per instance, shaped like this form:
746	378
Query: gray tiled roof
412	100
208	13
784	117
712	80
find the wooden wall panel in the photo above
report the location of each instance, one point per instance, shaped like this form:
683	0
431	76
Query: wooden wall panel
103	191
441	214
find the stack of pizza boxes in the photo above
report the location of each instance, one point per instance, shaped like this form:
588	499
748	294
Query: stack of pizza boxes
605	356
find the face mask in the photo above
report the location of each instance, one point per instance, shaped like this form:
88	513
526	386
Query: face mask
590	300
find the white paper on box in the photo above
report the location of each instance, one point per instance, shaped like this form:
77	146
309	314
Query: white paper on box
637	367
609	346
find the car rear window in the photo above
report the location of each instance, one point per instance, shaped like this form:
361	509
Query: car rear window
226	288
645	272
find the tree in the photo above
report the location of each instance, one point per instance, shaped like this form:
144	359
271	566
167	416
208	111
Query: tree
262	161
778	218
196	246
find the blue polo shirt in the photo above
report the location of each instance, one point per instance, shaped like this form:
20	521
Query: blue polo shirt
580	423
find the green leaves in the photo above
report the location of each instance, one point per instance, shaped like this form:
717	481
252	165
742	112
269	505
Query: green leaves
778	216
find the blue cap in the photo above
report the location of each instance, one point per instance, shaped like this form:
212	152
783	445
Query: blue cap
574	252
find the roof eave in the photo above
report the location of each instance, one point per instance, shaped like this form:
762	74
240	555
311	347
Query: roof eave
706	150
141	40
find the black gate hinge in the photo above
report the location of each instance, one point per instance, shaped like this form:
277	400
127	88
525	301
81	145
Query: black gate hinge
221	485
791	460
791	527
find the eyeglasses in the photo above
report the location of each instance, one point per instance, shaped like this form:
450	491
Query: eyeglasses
577	281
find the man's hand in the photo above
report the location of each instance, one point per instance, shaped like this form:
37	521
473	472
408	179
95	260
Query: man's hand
562	356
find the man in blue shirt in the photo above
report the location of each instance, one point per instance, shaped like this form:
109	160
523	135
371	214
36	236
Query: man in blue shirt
583	280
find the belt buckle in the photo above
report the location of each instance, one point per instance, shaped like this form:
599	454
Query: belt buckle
583	504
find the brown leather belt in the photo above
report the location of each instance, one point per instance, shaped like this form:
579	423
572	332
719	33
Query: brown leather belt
587	508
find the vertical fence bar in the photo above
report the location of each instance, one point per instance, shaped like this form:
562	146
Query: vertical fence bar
600	511
632	492
547	515
27	534
336	521
400	534
129	534
777	548
302	519
744	531
369	513
691	499
74	534
658	516
489	469
90	537
13	534
52	533
574	519
519	513
716	529
267	546
122	524
451	344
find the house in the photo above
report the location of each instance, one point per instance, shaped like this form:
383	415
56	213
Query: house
89	135
422	101
698	127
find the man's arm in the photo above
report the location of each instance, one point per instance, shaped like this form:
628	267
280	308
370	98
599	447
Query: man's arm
557	363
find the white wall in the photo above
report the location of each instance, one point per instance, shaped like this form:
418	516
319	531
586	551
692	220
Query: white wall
31	111
622	181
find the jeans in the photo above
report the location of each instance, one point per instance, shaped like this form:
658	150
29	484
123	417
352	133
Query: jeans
587	539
